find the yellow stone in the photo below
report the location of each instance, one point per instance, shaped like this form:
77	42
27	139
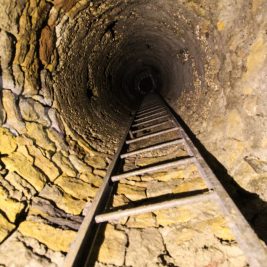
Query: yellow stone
54	62
172	174
76	187
234	150
96	162
131	192
146	161
9	206
142	221
5	227
257	56
187	186
220	25
64	164
23	150
33	111
197	8
146	178
30	68
173	216
248	90
43	163
79	165
100	173
263	142
56	138
112	250
218	227
37	210
120	200
221	230
165	176
7	141
21	184
63	200
84	145
235	125
91	178
37	132
37	10
18	162
135	183
159	158
185	234
250	105
54	238
13	115
132	178
256	4
79	5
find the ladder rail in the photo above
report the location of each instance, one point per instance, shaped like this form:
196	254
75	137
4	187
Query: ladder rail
75	256
150	116
150	112
115	215
148	108
162	166
151	148
148	121
244	234
169	130
246	237
150	127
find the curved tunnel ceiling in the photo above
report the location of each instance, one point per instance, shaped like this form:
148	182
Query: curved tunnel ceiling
110	49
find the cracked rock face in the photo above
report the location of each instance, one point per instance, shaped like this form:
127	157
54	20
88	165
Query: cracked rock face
69	81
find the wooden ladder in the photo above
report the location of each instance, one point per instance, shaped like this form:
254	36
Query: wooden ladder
151	115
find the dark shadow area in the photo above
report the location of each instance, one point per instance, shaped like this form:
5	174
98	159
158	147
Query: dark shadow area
97	244
146	85
253	208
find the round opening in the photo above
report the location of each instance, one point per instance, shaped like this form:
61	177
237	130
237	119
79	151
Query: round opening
146	85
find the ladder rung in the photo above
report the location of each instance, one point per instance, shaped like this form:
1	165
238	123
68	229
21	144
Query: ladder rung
145	122
148	109
152	135
150	127
149	116
115	215
147	105
151	148
150	112
153	168
150	102
131	134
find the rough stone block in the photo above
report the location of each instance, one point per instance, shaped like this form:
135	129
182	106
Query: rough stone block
54	238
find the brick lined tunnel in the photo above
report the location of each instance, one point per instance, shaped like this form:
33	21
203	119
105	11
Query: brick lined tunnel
73	71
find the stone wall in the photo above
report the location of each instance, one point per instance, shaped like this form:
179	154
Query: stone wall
62	63
48	173
227	109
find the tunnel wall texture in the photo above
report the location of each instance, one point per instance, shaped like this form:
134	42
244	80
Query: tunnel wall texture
65	72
